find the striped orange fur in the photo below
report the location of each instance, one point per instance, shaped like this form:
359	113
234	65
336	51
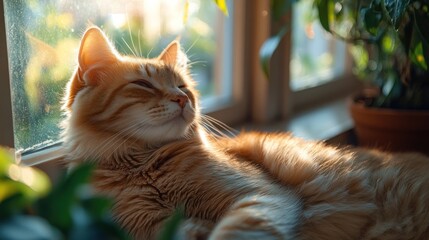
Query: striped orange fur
139	121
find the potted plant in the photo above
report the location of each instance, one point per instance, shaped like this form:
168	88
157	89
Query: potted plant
390	45
389	42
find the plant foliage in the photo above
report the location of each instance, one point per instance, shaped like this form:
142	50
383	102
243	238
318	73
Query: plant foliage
389	42
222	6
390	33
30	208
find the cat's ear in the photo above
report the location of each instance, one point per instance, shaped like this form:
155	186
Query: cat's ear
95	50
173	55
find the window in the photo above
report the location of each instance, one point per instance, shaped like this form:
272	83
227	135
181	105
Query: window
304	72
320	66
43	39
317	58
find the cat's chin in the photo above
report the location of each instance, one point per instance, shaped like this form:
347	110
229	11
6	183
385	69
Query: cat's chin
173	130
181	120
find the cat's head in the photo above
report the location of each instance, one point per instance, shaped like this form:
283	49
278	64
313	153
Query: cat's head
153	100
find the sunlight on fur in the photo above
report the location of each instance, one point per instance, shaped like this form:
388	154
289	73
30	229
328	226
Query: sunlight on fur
139	121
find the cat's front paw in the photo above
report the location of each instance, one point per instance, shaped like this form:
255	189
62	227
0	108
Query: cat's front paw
244	226
260	217
194	229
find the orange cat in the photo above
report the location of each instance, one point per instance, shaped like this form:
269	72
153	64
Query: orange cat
139	121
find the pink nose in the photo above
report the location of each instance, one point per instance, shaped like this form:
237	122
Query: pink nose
180	99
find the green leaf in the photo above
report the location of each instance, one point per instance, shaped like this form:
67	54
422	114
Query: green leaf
93	220
221	4
267	50
279	8
14	204
112	230
417	56
5	160
326	9
76	178
419	47
372	20
97	207
58	205
36	182
105	231
10	187
396	9
27	227
172	224
388	43
186	12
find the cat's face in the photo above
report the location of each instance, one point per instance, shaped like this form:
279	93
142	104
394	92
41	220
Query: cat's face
149	99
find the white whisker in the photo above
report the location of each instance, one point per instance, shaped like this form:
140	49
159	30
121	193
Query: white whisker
129	47
148	54
192	45
212	129
140	46
201	63
230	130
216	124
131	38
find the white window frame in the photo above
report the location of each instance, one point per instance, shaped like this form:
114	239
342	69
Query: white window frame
229	112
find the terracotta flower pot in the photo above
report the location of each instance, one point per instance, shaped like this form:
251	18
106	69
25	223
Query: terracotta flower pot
391	130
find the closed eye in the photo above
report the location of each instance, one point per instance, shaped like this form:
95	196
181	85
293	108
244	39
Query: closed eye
182	86
144	83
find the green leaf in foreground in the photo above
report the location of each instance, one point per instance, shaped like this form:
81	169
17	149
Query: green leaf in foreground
267	50
172	224
97	206
57	206
19	185
27	227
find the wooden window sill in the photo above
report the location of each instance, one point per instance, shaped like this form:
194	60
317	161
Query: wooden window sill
330	122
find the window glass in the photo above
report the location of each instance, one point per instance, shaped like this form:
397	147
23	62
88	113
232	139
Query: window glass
316	57
43	38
